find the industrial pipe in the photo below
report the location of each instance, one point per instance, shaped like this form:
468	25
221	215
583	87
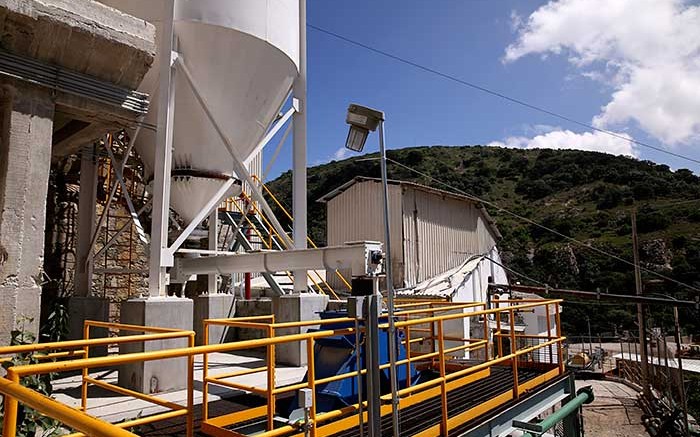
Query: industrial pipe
584	396
363	258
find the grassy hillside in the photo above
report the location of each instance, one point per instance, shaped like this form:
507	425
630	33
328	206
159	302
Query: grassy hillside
585	195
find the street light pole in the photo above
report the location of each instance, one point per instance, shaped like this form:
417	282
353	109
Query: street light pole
362	121
389	288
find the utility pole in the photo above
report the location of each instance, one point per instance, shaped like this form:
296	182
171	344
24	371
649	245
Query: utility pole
641	319
684	400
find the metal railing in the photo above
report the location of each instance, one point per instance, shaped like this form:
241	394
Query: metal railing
81	348
447	360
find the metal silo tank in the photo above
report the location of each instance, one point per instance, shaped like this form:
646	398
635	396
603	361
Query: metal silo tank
243	56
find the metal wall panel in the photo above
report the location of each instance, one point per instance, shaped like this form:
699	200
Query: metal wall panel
431	233
440	233
357	214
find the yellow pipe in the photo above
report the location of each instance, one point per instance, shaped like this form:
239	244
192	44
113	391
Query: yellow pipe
239	319
237	386
205	373
238	373
65	366
303	323
446	317
138	395
74	344
140	421
84	372
11	389
271	382
434	310
189	427
127	327
312	382
307	238
443	379
311	242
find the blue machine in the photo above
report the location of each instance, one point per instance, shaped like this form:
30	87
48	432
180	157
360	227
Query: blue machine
336	355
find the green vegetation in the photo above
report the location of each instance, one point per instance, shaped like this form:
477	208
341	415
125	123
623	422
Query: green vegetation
585	195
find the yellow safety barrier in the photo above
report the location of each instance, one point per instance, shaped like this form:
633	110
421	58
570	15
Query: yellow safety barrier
83	349
51	408
440	357
289	216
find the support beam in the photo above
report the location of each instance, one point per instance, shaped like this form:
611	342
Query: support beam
272	132
213	246
159	255
299	153
119	173
362	258
87	203
210	206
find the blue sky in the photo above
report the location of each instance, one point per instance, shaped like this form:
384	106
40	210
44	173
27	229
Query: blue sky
470	39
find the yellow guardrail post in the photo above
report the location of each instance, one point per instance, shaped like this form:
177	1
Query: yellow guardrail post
84	372
312	382
443	379
205	375
559	351
271	380
513	350
9	423
190	389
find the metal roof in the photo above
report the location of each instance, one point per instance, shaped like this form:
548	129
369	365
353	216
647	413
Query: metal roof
414	186
689	365
444	285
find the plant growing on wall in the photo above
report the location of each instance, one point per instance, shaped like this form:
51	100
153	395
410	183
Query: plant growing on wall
31	423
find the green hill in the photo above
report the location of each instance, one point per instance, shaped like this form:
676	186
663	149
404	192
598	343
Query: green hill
585	195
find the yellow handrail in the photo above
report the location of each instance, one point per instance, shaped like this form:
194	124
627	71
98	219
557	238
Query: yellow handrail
54	409
289	216
437	356
284	243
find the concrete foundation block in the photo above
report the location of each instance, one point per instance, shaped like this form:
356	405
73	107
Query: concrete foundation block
82	308
294	308
161	375
213	306
249	308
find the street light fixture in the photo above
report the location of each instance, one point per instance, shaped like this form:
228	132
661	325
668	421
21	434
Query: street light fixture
362	121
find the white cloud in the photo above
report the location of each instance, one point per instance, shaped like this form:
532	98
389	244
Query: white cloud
341	154
646	51
566	139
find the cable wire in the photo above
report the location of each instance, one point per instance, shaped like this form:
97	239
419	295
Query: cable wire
541	226
497	94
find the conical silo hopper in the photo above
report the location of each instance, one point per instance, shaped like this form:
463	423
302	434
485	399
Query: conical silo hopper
243	57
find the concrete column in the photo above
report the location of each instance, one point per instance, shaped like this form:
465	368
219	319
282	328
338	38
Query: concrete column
86	221
295	308
82	305
26	128
161	375
213	306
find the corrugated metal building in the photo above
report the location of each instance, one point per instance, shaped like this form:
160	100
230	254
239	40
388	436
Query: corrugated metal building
432	231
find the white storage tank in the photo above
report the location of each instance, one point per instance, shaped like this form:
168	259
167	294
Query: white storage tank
243	56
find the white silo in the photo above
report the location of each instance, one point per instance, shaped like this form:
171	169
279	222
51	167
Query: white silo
243	57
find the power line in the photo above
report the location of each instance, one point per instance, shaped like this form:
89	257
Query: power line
541	226
497	94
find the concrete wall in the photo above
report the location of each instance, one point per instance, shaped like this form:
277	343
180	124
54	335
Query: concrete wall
26	123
